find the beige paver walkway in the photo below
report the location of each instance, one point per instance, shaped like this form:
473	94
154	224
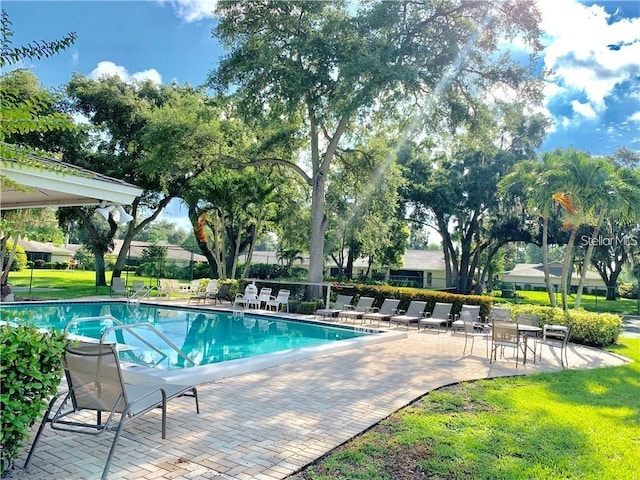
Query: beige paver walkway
268	424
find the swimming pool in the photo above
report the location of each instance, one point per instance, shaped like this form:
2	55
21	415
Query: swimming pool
214	343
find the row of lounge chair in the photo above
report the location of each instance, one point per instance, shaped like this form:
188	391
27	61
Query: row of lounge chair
501	328
363	310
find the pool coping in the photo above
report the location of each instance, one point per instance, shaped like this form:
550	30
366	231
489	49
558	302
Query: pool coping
196	375
210	373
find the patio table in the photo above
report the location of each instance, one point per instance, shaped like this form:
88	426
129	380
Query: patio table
527	331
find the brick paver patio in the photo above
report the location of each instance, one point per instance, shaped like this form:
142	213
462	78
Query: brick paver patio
269	424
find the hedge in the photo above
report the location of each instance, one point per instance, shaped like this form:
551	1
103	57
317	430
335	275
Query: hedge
587	328
31	369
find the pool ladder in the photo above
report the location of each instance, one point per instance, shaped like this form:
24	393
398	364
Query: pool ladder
119	326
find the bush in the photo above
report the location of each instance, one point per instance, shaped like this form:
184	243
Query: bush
31	369
628	290
39	263
19	259
305	308
587	328
406	295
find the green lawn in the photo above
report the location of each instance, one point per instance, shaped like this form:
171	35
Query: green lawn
569	424
589	302
63	283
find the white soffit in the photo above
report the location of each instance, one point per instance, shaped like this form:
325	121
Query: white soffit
47	187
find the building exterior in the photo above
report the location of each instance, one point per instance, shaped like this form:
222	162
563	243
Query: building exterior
175	253
46	252
530	276
419	268
50	253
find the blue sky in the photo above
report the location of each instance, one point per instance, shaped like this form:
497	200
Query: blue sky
593	48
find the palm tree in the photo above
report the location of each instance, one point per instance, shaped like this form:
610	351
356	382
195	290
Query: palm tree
614	191
535	182
617	197
585	191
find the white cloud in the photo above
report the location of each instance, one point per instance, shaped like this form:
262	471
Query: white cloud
590	51
192	10
110	69
151	74
583	109
635	117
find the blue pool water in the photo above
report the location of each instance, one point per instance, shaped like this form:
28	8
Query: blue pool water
206	337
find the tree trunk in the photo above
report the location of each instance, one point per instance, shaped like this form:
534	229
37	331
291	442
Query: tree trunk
318	217
252	243
450	260
133	229
566	264
201	240
318	228
6	268
101	278
587	260
97	247
545	260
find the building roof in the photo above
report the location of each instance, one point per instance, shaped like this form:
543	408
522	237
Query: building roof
174	252
30	246
52	183
536	272
420	260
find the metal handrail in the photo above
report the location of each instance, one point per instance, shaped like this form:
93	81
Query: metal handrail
129	328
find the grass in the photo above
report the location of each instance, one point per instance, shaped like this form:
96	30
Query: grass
570	424
589	302
64	283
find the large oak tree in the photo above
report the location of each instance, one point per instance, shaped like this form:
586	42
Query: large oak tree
330	64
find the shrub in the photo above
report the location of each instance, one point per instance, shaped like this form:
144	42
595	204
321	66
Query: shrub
406	295
587	328
596	329
628	290
39	263
19	259
305	308
31	368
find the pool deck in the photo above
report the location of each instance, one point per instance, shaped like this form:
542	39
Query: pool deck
269	424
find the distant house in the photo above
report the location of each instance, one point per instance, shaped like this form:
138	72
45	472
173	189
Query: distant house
421	268
46	252
530	276
175	253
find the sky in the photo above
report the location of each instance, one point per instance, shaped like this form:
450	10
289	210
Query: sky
592	48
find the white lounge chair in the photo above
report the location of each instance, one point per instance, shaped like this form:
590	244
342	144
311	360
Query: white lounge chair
279	300
247	299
